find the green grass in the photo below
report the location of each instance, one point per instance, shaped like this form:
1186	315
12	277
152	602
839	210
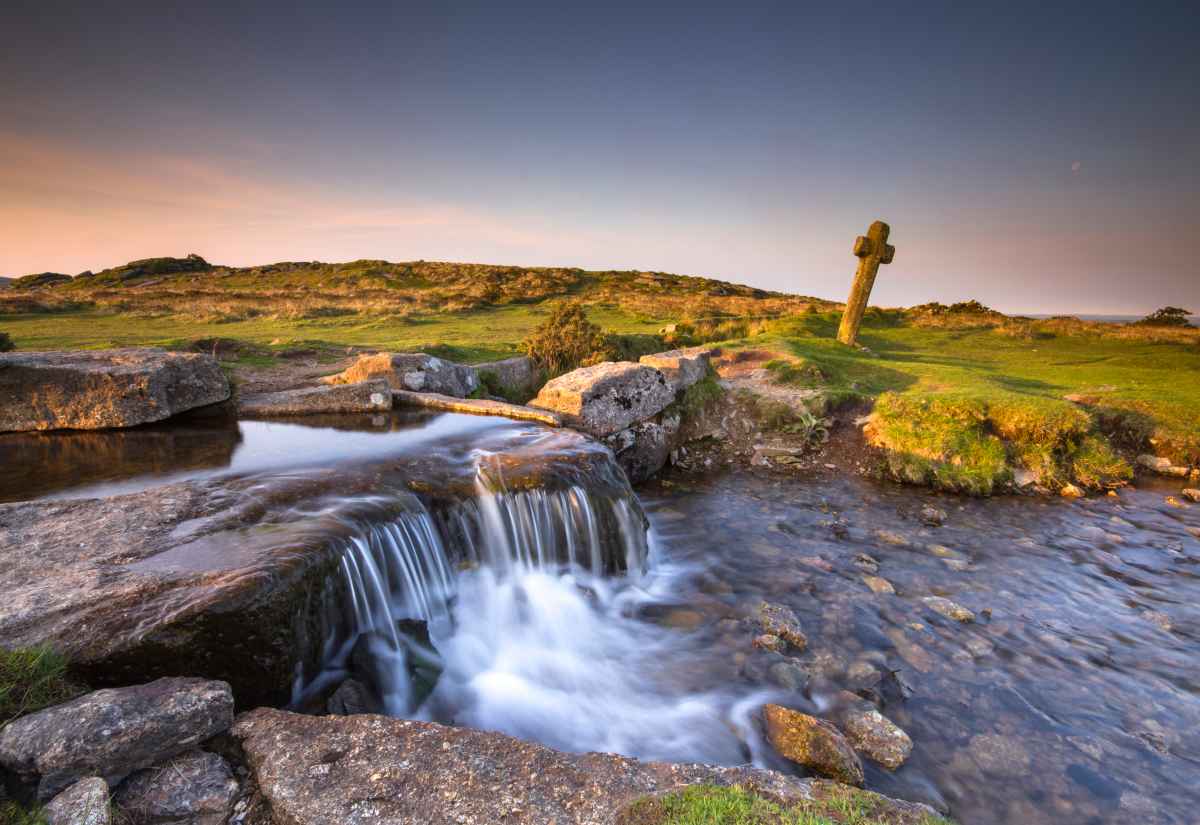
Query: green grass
477	335
13	814
711	805
950	399
33	678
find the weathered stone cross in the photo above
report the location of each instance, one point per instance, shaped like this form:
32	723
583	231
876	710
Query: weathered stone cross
871	251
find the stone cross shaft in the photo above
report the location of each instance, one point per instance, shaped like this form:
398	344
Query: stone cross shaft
871	251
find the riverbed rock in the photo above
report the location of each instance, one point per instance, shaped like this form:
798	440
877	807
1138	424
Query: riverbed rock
932	516
1191	494
877	737
363	397
194	788
643	449
516	378
879	585
682	367
949	609
414	371
779	620
1072	491
361	770
607	397
113	732
83	803
812	743
97	389
1000	755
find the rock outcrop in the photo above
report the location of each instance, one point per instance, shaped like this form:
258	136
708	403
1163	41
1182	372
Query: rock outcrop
413	371
813	743
363	397
608	397
682	367
89	390
113	733
514	378
356	770
195	788
643	448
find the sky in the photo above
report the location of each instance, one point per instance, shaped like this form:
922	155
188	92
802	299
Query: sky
1039	157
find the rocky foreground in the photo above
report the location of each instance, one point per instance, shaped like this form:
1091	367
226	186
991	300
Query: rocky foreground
172	751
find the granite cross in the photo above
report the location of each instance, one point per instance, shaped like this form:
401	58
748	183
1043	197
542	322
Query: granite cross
871	251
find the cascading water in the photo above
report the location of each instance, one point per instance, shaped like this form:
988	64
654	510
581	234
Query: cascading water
536	634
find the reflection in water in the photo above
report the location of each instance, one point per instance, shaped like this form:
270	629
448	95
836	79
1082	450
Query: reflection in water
112	462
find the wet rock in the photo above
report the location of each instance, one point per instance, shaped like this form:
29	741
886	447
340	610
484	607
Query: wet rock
96	389
942	551
892	538
873	734
516	378
769	641
863	674
642	450
355	770
812	743
363	397
113	732
195	788
1157	618
868	564
608	397
1072	491
999	755
351	697
1191	494
957	565
1139	806
683	619
415	371
949	609
779	620
911	652
879	585
83	803
933	516
682	367
788	675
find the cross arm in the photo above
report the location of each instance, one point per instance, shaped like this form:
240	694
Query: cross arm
889	252
863	246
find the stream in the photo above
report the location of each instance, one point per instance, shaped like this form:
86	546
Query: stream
556	615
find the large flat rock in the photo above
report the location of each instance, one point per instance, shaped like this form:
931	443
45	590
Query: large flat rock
90	390
355	770
607	397
682	367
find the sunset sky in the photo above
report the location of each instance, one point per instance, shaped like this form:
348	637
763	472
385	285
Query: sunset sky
1040	157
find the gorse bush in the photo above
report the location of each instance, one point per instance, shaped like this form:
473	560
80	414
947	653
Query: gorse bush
6	343
566	340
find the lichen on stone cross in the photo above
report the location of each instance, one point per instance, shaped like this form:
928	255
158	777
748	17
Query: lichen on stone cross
871	251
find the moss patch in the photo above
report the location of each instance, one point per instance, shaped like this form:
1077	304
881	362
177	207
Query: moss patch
832	804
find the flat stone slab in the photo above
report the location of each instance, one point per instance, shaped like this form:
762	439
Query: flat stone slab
97	389
475	406
607	397
518	376
112	733
363	397
682	367
356	770
415	371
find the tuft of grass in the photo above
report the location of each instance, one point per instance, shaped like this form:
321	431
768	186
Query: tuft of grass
6	343
32	678
714	805
698	396
1095	465
13	814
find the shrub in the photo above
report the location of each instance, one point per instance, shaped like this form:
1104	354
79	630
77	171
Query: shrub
6	343
566	340
1166	317
32	678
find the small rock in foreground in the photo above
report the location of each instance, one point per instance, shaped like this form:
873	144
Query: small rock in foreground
84	803
196	788
812	743
873	734
1191	494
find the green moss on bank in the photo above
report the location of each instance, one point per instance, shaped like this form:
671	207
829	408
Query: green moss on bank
711	805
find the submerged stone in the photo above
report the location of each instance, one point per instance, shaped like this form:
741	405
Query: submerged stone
949	609
779	620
